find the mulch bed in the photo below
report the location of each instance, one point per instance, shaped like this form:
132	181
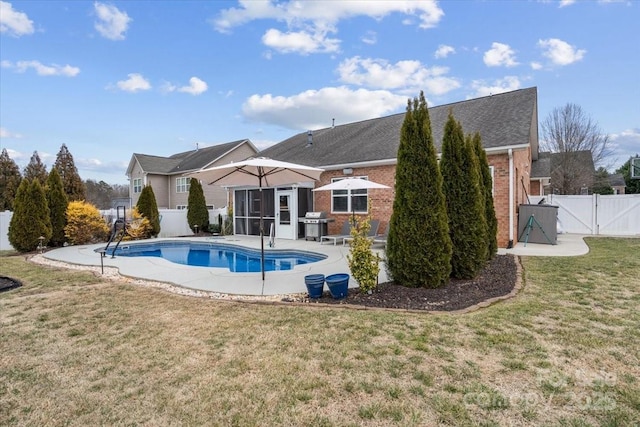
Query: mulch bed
7	283
497	279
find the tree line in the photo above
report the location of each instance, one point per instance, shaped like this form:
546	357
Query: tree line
98	193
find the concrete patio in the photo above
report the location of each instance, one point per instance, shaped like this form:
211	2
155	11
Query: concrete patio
223	281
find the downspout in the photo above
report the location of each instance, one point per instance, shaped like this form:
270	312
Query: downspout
511	199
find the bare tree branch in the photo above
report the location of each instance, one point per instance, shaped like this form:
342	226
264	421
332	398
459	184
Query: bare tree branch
570	133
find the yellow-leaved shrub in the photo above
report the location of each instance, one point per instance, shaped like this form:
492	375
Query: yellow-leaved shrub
139	227
363	262
85	224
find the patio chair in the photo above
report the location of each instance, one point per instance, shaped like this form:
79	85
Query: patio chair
373	232
382	238
344	233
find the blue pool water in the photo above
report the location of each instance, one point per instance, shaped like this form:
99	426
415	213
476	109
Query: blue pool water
220	255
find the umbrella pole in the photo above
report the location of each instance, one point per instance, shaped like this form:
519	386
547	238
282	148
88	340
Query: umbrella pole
262	235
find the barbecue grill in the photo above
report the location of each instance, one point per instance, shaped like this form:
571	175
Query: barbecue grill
315	225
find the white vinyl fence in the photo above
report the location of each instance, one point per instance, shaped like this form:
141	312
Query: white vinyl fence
615	215
5	217
173	223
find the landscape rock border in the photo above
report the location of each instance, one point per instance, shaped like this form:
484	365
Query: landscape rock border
298	300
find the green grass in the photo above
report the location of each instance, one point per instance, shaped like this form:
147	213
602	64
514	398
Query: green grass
79	350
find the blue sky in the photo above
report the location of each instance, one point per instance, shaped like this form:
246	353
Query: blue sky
158	77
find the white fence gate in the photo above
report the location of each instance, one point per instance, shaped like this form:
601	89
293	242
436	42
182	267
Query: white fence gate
615	215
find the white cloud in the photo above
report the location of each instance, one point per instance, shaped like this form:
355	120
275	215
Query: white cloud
500	54
5	133
319	13
560	52
506	84
135	83
13	22
196	87
536	65
371	37
409	75
624	145
315	109
300	41
112	23
564	3
41	69
308	23
443	51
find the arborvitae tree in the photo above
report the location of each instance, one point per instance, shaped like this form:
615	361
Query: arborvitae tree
465	208
57	202
418	252
36	169
71	181
10	178
487	189
197	213
148	207
30	218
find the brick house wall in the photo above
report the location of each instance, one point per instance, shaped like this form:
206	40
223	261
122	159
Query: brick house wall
535	188
382	199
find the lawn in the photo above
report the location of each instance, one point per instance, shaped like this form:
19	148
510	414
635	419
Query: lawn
79	350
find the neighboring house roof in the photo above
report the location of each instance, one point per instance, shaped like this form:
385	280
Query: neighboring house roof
617	180
548	162
541	168
186	161
503	120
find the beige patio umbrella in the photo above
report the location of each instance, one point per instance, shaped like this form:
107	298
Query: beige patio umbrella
260	171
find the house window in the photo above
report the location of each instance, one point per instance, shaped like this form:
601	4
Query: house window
137	185
347	201
183	184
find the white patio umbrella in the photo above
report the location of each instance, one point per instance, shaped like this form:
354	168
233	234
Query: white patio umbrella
351	183
259	171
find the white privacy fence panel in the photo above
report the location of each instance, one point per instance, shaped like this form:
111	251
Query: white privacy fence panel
173	222
5	218
617	215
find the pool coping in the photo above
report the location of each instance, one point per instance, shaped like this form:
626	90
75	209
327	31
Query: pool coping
219	280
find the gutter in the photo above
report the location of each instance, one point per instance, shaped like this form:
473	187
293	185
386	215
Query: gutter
370	163
394	161
511	199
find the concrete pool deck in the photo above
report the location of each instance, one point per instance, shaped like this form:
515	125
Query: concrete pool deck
221	280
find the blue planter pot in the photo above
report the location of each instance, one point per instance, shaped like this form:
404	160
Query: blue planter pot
315	285
338	285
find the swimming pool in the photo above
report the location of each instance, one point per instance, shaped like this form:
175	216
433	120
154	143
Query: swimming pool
219	255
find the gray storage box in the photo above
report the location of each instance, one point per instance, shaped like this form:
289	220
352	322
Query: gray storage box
546	219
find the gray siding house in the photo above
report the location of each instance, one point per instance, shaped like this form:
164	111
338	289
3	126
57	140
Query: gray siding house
165	174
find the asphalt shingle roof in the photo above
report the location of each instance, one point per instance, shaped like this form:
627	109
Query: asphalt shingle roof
505	119
185	161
